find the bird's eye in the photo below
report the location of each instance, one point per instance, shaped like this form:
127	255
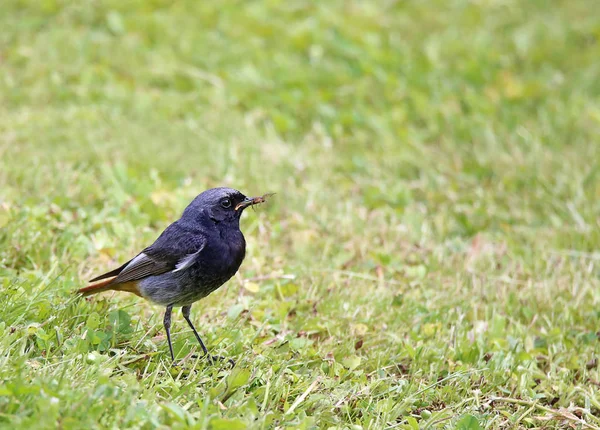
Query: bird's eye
226	203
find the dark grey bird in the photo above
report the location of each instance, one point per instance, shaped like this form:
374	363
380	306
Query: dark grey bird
192	258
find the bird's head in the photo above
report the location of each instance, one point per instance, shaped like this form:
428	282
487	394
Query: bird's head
220	205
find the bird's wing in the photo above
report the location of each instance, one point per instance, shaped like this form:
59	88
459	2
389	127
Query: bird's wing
141	267
110	274
175	249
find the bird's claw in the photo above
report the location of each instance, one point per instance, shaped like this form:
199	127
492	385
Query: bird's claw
213	359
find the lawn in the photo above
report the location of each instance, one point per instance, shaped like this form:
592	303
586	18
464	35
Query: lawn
431	258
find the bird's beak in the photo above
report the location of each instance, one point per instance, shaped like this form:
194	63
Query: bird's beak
250	201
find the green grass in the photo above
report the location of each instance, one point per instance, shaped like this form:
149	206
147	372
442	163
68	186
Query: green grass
431	258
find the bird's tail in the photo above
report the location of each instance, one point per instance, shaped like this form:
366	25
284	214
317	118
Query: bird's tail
98	288
130	287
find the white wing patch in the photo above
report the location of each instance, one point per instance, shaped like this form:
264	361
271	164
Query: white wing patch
137	260
186	261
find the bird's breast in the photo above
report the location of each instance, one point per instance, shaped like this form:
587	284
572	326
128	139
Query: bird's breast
221	258
237	252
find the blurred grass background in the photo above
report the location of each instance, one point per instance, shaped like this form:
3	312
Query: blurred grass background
430	258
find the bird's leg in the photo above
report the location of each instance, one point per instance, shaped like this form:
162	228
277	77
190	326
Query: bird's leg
167	324
185	310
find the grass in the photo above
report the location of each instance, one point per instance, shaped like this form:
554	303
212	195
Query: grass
431	258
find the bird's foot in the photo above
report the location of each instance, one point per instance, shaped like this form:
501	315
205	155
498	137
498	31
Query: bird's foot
213	359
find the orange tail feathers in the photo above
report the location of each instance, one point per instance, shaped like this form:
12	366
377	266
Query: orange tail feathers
97	288
130	287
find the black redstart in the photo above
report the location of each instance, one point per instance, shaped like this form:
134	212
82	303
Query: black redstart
192	258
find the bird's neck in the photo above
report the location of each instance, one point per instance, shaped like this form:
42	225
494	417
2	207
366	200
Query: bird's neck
227	230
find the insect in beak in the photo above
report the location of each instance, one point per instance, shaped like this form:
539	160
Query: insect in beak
251	201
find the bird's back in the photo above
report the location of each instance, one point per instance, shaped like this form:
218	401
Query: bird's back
215	264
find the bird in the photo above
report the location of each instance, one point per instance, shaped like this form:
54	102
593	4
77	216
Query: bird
193	257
